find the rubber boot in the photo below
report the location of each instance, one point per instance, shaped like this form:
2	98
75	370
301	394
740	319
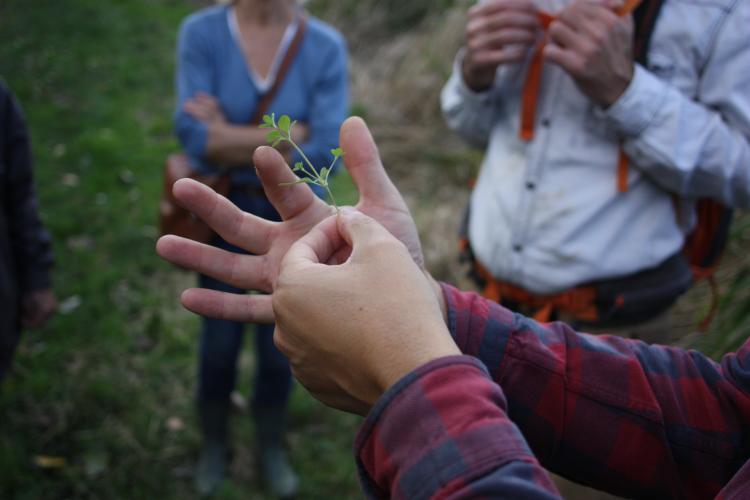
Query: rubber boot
276	471
212	464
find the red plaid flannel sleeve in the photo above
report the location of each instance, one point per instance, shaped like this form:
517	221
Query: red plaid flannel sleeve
442	431
636	420
620	415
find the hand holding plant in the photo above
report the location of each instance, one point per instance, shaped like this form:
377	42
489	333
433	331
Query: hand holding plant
267	241
282	132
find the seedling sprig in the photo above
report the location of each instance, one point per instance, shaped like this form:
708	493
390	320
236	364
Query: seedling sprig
282	132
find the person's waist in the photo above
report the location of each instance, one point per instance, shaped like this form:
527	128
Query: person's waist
549	254
669	268
542	271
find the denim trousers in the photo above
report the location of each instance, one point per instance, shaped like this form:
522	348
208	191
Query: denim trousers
221	340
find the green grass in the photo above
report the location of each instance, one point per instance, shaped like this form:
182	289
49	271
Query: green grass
731	326
99	385
108	386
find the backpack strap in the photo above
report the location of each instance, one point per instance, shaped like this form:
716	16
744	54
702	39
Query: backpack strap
644	18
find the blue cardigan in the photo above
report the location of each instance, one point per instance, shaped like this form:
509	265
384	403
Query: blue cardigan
315	90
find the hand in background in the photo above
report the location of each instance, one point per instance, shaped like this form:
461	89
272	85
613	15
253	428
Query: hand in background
37	308
339	324
497	32
300	210
595	46
205	108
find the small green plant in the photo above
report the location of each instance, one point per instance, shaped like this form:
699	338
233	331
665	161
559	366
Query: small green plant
282	132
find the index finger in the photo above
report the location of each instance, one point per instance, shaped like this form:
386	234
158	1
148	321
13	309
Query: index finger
289	200
316	246
244	230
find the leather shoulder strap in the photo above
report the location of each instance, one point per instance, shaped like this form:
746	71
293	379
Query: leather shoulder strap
291	52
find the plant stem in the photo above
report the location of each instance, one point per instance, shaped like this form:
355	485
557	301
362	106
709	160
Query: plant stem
304	156
330	195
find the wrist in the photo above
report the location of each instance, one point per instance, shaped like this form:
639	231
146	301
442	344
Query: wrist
217	128
439	295
477	79
638	106
411	359
615	91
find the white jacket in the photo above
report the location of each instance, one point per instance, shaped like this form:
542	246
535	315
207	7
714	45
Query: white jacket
547	215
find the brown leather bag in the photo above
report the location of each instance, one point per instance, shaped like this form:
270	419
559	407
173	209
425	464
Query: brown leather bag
173	218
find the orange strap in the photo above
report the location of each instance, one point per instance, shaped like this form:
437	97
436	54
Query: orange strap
703	326
533	80
578	302
622	172
530	93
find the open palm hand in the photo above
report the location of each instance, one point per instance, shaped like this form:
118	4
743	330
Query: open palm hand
268	241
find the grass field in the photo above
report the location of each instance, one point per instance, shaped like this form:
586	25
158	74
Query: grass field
107	386
106	389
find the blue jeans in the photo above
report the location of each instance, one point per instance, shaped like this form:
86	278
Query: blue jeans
221	340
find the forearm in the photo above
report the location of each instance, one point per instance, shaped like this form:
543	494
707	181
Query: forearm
469	113
685	146
613	387
233	145
442	432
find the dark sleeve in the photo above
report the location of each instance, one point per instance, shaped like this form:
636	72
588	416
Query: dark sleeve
30	242
442	432
633	419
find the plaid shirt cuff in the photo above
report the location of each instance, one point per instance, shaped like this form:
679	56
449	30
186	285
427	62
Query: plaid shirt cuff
442	430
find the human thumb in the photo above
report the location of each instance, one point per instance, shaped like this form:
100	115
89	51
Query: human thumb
316	246
362	160
361	231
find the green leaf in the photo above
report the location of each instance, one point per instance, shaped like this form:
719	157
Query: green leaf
277	141
297	166
273	136
284	123
268	121
338	152
324	173
265	125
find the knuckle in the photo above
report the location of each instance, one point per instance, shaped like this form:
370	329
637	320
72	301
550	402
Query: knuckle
387	245
599	38
610	20
578	66
281	297
279	341
588	52
265	278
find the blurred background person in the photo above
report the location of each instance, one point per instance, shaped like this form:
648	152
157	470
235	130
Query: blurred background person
601	129
26	296
229	57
